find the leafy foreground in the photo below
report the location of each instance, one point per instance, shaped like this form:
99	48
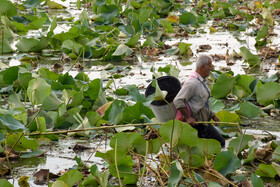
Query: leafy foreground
169	153
38	106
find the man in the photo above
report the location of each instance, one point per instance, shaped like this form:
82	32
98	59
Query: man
192	101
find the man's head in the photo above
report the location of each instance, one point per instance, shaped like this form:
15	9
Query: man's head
204	65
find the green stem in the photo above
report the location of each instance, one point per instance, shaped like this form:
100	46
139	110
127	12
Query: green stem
172	130
145	163
116	163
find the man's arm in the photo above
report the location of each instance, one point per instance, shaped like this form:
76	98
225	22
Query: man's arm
187	117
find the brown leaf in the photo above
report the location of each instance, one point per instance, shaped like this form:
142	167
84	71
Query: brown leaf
267	52
203	48
4	170
245	184
217	57
238	17
276	12
216	177
101	111
152	52
42	176
78	147
264	154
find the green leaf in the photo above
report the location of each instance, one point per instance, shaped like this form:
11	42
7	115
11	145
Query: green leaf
185	49
10	74
41	124
216	105
115	108
180	129
240	143
136	113
167	25
250	58
127	141
24	78
226	116
7	8
159	94
93	118
276	154
71	177
256	181
6	47
124	166
170	70
37	24
47	74
222	87
187	19
54	5
122	50
31	44
5	182
268	93
33	154
38	90
243	83
23	144
59	183
209	147
248	109
262	33
225	163
8	122
51	102
176	172
133	41
266	170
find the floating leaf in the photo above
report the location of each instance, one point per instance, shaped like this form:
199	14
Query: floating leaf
23	144
31	44
10	74
225	163
268	93
121	50
266	170
240	143
250	58
228	117
33	154
176	172
262	33
185	49
187	19
114	109
256	181
248	109
54	5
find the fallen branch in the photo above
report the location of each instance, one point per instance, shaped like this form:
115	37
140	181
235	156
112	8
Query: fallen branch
117	126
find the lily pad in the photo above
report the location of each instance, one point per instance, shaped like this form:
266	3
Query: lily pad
226	163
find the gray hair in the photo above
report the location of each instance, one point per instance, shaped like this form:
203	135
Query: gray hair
202	61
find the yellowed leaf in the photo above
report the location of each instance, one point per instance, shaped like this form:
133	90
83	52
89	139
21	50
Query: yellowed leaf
173	18
258	4
212	29
266	14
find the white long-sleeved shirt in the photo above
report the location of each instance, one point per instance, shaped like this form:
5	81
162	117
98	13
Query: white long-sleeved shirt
194	93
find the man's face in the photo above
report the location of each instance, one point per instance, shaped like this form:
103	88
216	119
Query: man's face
208	68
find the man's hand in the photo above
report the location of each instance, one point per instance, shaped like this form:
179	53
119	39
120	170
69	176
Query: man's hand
191	121
215	118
